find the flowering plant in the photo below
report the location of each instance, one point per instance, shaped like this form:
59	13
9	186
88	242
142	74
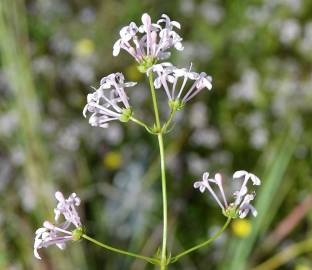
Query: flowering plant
149	44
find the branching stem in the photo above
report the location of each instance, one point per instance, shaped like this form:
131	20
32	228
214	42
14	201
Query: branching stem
218	233
120	251
141	123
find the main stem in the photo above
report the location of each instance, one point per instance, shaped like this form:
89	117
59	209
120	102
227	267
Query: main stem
163	260
164	197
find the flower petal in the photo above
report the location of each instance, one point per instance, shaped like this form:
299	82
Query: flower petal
256	181
239	174
36	254
205	175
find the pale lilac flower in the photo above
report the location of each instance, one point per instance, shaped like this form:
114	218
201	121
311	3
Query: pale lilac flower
50	235
109	102
150	41
168	37
243	190
66	207
241	206
205	184
174	81
58	235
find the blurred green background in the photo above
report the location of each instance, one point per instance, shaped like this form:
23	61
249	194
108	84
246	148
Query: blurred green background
258	118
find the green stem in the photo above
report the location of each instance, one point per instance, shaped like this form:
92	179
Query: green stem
148	259
139	122
164	197
163	174
218	233
169	120
151	82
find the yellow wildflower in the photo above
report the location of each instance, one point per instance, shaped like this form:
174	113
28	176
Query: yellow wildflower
241	227
84	47
112	160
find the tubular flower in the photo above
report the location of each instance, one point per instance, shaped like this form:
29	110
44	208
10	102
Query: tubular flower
174	80
149	42
241	205
58	235
106	107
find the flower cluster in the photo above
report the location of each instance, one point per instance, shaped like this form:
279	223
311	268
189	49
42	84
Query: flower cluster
169	74
149	42
241	205
109	102
58	235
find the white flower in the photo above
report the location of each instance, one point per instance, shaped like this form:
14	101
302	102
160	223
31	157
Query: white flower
169	76
243	190
58	235
245	206
149	42
241	206
66	207
113	105
204	184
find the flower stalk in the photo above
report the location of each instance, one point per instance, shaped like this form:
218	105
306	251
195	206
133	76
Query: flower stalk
210	240
120	251
154	99
167	124
141	123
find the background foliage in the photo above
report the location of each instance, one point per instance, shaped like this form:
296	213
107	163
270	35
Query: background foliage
258	118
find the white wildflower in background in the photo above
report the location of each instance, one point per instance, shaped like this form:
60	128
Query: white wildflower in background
149	42
113	105
174	80
58	235
289	31
241	205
